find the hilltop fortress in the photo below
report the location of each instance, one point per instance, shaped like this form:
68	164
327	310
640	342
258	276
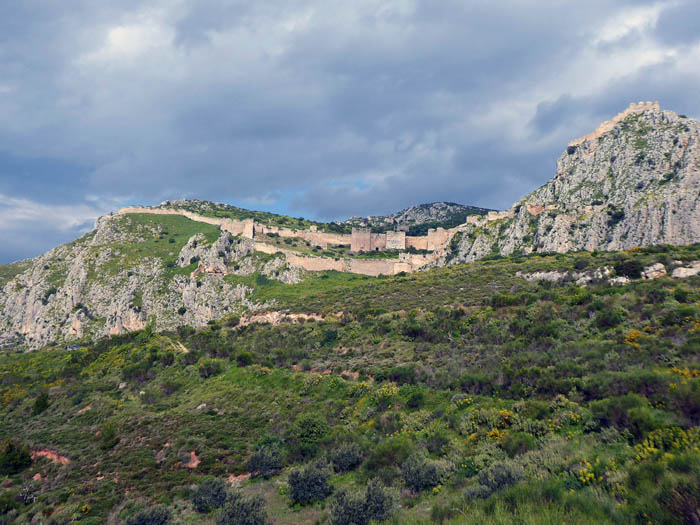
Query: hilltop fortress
415	252
360	240
425	249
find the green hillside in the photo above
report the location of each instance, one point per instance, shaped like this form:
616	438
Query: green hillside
468	393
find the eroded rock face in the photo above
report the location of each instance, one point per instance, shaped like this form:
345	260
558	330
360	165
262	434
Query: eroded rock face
636	183
89	288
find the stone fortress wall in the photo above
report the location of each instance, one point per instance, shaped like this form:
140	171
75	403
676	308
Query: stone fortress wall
639	107
360	240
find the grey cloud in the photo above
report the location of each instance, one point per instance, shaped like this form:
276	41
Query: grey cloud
321	109
678	24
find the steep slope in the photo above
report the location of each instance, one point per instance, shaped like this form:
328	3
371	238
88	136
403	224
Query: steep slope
477	395
129	272
635	181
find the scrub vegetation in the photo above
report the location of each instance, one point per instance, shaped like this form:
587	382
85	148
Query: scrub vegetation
463	394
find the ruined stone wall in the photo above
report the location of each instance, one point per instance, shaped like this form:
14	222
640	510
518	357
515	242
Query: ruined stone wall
323	239
311	235
437	238
395	240
377	242
244	227
360	240
418	243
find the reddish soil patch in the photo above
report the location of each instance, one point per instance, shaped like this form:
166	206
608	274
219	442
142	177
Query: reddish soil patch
50	454
194	461
235	480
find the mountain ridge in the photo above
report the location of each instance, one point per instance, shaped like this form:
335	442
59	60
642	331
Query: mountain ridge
635	184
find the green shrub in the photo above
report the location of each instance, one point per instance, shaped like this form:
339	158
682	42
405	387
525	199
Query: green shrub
440	514
243	510
210	495
209	368
384	459
158	515
108	436
261	280
329	337
348	509
580	263
631	268
310	483
403	375
416	400
681	295
518	443
347	457
244	359
631	412
656	296
608	318
501	475
308	431
678	315
376	504
265	462
681	500
7	504
14	458
476	492
41	403
420	473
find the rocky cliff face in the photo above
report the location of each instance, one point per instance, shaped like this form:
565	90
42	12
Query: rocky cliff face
130	272
633	182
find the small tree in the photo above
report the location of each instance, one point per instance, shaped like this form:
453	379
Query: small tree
501	475
243	510
210	495
310	484
41	403
265	462
420	473
158	515
376	504
14	458
347	457
308	432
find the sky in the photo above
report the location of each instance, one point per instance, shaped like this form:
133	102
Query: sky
323	109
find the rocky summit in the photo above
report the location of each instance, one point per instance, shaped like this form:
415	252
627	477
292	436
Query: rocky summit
633	182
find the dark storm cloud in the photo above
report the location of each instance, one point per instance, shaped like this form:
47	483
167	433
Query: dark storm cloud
321	109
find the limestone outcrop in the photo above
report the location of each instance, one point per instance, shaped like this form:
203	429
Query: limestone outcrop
89	288
634	182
